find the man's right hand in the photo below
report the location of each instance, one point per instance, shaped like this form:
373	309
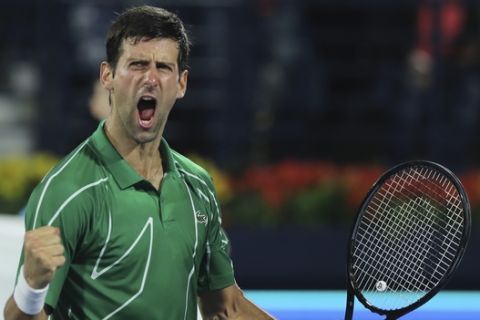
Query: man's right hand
43	250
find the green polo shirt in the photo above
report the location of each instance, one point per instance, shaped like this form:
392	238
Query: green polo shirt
132	252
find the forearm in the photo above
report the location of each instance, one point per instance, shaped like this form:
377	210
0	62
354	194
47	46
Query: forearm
248	310
230	304
12	312
244	311
43	252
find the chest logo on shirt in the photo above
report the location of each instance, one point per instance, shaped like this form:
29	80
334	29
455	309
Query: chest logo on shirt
201	217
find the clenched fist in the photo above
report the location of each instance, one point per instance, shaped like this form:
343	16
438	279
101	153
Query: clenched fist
43	250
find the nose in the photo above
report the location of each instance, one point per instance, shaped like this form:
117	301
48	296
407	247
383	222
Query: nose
151	77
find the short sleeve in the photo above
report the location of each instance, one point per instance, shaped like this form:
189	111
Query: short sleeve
216	270
62	206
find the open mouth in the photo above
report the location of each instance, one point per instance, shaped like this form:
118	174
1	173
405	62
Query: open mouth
146	109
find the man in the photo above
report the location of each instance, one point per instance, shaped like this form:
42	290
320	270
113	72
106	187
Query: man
124	227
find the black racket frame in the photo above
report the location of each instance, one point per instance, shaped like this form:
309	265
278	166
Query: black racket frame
352	291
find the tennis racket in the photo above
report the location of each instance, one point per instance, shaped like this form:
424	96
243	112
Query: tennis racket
408	238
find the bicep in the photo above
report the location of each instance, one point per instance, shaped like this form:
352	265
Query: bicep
216	269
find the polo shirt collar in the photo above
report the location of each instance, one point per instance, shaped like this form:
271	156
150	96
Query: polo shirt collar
120	169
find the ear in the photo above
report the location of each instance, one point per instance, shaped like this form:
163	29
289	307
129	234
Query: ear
106	75
182	84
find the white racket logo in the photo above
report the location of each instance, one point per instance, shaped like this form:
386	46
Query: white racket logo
381	286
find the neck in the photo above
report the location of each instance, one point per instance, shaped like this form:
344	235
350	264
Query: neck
145	158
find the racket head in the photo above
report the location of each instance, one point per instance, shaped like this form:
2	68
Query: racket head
409	235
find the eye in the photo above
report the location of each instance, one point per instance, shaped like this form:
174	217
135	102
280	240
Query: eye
138	64
164	66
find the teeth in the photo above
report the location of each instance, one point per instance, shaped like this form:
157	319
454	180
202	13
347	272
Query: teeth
147	98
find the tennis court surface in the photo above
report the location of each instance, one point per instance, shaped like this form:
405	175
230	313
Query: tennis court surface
330	305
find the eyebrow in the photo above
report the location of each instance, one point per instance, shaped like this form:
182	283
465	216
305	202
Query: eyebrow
148	60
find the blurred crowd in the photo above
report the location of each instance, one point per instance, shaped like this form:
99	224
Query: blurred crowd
343	81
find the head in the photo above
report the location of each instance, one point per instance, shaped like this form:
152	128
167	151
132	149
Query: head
145	72
145	23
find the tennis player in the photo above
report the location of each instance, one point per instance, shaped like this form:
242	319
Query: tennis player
124	227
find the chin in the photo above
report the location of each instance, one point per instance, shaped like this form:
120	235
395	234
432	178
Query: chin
144	138
142	135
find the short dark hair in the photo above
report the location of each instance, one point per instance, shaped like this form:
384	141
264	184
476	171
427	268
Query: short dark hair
147	22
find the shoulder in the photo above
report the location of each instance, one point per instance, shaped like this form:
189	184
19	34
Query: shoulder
191	170
69	184
76	170
199	181
76	164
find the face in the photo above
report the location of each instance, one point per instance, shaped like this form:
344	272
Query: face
144	87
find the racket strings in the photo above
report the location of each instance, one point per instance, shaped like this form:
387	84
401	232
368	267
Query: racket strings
438	189
398	227
431	220
439	216
408	237
391	245
402	253
406	255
